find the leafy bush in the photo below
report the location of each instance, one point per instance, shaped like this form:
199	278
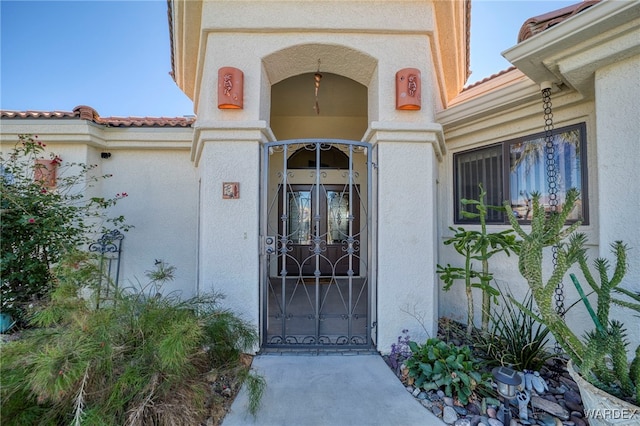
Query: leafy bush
139	359
514	338
440	365
43	218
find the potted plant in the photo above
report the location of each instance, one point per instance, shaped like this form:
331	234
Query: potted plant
600	356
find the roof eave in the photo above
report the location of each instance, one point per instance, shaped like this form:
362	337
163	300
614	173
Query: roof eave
185	33
552	55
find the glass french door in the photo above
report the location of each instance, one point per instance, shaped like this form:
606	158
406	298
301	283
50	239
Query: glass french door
320	214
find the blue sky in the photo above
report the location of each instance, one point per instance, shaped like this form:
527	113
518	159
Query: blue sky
115	55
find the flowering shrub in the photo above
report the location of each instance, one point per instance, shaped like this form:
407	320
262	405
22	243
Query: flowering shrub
400	351
45	213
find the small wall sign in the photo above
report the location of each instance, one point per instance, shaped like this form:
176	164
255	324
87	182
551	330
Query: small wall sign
230	190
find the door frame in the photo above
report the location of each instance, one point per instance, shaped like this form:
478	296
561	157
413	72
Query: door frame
270	246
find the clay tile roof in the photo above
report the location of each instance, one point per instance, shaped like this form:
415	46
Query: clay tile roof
147	121
537	24
37	114
491	77
84	112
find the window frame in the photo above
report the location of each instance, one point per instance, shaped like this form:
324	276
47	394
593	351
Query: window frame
505	183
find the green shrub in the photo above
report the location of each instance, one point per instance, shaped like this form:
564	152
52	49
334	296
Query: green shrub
440	365
514	338
42	220
139	359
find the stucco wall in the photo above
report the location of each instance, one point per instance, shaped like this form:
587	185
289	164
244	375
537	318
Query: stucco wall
160	182
229	237
618	150
406	291
162	208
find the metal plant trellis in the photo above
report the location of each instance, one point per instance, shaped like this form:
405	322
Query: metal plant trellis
109	246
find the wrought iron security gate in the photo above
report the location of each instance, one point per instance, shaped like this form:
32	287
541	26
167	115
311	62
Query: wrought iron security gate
316	232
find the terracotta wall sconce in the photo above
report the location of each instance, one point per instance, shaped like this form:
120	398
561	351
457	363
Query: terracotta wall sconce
230	88
45	172
408	89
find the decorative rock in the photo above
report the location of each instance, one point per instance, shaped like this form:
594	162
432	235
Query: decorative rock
428	404
449	415
492	413
440	394
573	396
560	390
527	381
549	407
422	395
416	392
460	410
473	408
495	422
409	388
462	422
476	420
436	410
570	383
578	421
448	401
538	383
547	420
572	405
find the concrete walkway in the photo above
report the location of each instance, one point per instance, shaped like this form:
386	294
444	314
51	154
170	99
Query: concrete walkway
331	390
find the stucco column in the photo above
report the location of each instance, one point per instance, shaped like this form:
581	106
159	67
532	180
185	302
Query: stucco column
406	232
228	256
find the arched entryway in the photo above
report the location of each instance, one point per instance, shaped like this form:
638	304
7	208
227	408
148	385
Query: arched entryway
316	288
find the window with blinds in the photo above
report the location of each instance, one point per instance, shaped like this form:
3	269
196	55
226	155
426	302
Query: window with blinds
481	166
515	169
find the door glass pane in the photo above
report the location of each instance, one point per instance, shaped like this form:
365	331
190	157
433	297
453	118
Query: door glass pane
299	222
338	213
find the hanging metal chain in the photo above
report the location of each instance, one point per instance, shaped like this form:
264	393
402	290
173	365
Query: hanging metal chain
552	190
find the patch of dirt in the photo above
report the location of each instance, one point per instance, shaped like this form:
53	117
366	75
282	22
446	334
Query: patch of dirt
224	384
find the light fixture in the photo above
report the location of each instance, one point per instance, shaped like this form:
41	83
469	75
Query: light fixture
230	88
316	82
408	91
508	381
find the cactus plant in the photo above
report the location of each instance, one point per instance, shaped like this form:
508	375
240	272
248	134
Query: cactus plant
601	353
